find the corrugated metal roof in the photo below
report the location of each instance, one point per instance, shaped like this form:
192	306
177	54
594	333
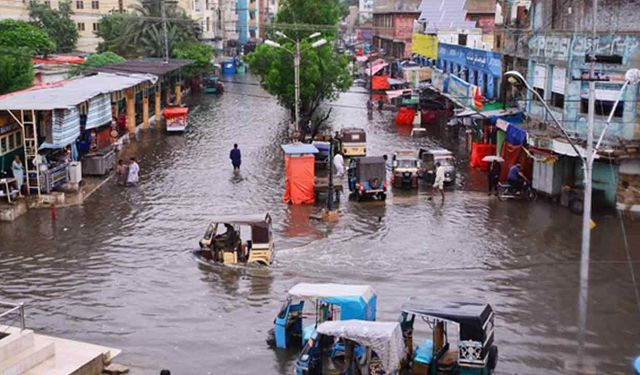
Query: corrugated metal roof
146	65
444	14
299	148
67	94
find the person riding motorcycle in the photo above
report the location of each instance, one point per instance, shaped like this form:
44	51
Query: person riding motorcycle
516	178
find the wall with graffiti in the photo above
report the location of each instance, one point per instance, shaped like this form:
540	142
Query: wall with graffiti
550	53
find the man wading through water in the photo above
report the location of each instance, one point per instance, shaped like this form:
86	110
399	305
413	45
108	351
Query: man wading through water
235	157
438	184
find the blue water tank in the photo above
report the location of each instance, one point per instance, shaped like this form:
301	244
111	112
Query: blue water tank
228	68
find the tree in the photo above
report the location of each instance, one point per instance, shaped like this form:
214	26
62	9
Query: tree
139	33
57	23
95	61
323	73
14	33
16	69
201	54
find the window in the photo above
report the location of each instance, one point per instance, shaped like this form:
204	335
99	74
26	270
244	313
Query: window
252	33
12	142
540	91
462	39
207	24
3	146
95	4
18	139
252	16
79	4
80	26
602	107
95	27
557	100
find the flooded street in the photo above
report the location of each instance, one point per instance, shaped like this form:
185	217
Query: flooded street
118	270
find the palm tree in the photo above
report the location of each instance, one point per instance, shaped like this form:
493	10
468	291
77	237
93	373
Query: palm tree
143	29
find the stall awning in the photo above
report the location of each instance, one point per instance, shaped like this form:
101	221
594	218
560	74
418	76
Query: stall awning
299	148
67	94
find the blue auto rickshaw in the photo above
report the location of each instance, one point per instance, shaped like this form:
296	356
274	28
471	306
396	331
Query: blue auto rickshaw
324	302
476	353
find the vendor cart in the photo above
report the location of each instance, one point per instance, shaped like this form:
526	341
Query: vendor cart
176	119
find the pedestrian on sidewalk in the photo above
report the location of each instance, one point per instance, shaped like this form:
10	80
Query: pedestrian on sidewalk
338	163
18	172
438	184
122	173
132	175
236	158
494	176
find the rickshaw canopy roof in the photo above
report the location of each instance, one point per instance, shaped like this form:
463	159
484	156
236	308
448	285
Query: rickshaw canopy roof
470	316
371	160
352	130
438	152
253	220
385	338
320	291
355	301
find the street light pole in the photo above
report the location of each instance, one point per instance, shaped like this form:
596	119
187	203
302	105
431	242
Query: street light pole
297	54
165	34
296	62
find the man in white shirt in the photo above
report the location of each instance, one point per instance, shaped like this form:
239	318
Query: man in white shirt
439	182
338	163
134	170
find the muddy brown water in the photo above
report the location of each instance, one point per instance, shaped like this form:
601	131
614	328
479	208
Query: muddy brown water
118	270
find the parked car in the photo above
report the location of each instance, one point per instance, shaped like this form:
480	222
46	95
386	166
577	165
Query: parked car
404	173
430	157
367	177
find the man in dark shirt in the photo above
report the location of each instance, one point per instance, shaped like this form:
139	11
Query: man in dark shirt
515	177
235	157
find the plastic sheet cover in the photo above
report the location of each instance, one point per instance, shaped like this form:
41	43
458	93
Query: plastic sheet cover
385	338
299	179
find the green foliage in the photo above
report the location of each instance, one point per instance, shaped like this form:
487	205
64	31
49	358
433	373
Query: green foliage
95	61
16	69
57	23
201	54
323	73
139	33
14	33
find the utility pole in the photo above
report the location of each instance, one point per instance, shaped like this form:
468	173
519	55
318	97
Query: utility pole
296	62
165	35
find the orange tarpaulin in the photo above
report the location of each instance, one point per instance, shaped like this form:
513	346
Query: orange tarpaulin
479	151
405	116
380	82
299	180
511	155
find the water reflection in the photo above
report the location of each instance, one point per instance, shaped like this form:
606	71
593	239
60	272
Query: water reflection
118	270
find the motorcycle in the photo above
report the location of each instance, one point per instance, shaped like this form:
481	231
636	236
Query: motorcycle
506	191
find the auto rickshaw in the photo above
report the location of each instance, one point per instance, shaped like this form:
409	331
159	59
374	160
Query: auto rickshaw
293	327
222	241
353	347
475	353
352	142
367	177
212	85
404	173
430	157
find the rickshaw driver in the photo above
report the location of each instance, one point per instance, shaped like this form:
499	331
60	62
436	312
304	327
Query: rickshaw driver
516	178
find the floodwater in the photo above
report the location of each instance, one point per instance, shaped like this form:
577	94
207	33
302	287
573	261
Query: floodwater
118	270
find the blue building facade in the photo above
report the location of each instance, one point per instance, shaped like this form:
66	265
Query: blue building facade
242	26
476	67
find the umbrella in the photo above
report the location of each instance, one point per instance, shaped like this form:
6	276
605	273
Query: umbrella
490	158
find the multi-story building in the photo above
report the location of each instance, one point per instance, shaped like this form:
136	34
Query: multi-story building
393	21
268	10
483	14
550	43
365	11
86	14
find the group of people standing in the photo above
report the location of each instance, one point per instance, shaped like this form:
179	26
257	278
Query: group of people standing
128	174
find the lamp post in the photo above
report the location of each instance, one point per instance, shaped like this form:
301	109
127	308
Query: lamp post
296	63
632	76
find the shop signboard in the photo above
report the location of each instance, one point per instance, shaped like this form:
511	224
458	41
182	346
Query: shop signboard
437	79
459	91
425	45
